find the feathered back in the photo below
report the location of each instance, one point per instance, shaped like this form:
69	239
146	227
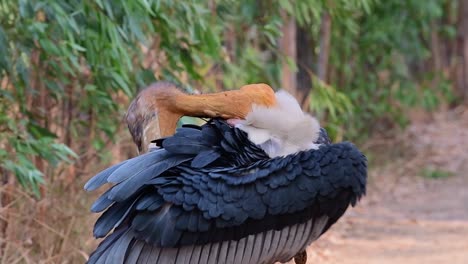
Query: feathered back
283	129
210	192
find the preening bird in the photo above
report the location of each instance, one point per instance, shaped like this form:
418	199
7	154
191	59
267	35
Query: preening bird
257	183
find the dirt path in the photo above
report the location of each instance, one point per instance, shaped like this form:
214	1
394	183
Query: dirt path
429	225
407	218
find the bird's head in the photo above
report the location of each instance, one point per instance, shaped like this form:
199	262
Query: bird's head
155	111
149	114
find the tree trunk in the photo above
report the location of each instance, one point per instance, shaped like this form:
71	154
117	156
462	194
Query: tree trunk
448	45
305	63
288	48
461	81
325	35
5	200
436	49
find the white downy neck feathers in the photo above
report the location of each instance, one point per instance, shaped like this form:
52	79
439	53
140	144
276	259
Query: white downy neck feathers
283	129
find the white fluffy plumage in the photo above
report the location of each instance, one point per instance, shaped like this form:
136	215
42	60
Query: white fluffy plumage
283	129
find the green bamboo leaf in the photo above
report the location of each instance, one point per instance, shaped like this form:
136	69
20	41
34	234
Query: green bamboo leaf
76	46
286	5
121	83
147	6
49	47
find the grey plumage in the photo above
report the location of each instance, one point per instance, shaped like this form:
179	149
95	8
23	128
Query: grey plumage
211	193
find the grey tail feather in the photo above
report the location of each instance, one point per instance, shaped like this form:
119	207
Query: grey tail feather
99	255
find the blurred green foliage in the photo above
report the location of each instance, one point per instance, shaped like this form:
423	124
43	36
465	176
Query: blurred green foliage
98	51
91	49
433	173
382	60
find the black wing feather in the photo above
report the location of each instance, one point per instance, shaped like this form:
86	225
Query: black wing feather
209	184
205	158
101	178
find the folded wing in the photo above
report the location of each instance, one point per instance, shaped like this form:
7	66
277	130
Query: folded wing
209	187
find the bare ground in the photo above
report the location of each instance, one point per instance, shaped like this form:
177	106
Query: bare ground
408	218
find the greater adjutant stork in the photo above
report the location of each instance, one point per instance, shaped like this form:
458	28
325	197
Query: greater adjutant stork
257	183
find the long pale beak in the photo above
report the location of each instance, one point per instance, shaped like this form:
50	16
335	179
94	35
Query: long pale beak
155	111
